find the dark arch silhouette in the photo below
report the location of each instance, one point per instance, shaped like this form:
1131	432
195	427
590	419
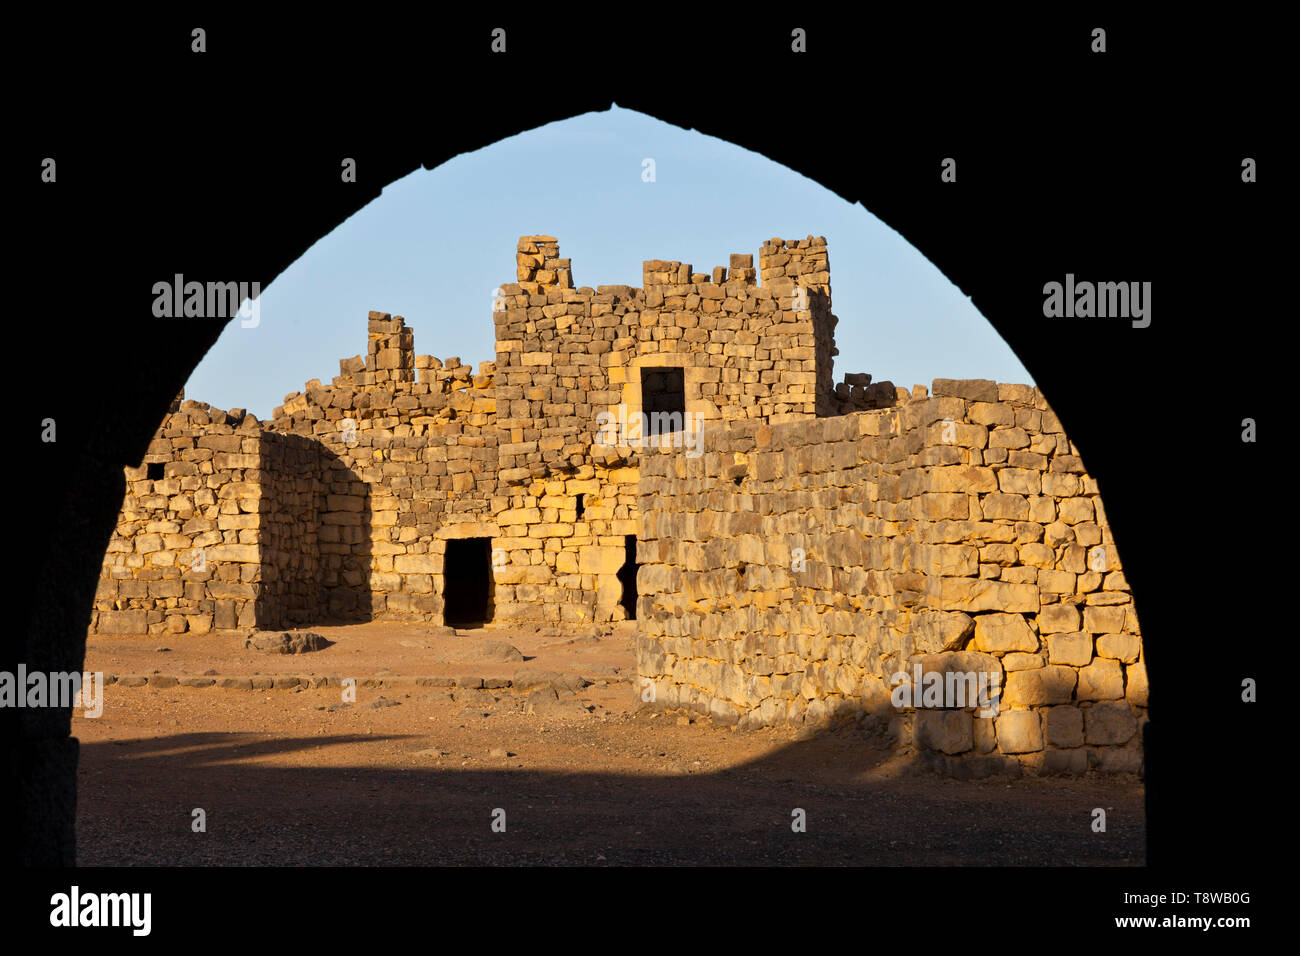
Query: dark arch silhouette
117	222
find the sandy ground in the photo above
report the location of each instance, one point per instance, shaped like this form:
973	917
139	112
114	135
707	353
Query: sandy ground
416	770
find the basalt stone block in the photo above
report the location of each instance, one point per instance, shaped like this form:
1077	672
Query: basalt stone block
286	642
1104	620
970	594
1020	732
1000	633
1103	679
941	631
1109	722
1121	647
971	389
1117	759
945	731
1066	763
1053	684
1063	726
1136	688
1074	649
1058	619
123	622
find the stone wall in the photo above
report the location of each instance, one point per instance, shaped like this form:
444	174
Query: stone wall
791	571
184	556
406	465
366	478
293	589
427	460
568	358
828	538
565	354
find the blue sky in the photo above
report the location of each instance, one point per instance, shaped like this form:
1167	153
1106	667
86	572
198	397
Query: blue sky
434	245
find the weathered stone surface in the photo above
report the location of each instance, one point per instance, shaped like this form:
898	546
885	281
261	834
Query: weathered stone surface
247	553
964	478
1019	732
940	631
1004	507
1121	647
435	682
286	642
473	698
482	652
1063	726
528	679
1058	618
965	662
1064	763
1135	687
1103	679
999	633
971	389
1018	481
1053	684
1103	620
1074	649
1109	722
123	622
945	731
545	702
968	594
1117	759
1021	662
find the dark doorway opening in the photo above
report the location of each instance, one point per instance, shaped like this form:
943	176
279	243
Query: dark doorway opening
627	577
663	400
467	582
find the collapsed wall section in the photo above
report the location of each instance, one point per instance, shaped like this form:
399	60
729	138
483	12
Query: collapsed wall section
793	571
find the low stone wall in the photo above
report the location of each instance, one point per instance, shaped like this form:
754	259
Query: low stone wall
793	570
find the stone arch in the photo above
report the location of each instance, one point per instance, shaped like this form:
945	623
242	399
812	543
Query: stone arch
79	507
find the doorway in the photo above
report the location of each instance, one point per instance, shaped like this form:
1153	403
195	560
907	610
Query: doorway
627	577
467	582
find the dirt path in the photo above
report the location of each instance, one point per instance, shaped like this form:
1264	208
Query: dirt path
413	773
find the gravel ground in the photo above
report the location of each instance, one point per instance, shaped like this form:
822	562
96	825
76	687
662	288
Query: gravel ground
291	777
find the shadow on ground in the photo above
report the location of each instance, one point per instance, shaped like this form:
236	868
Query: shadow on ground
136	800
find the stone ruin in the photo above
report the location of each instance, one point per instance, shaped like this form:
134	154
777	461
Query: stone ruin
678	454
